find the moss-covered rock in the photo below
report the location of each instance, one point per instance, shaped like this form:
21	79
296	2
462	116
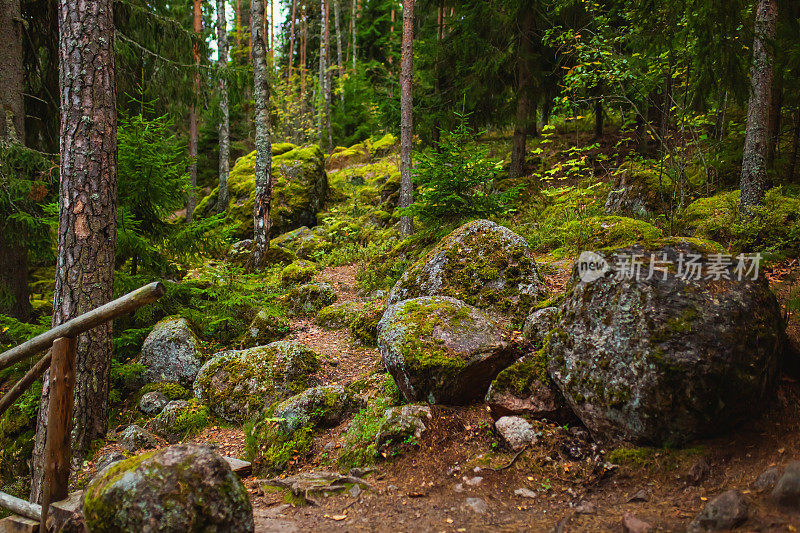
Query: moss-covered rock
404	424
336	316
300	186
666	358
299	272
264	329
239	385
639	191
171	352
182	488
383	146
480	263
179	419
608	232
170	389
241	253
364	324
344	157
441	350
539	324
309	298
134	438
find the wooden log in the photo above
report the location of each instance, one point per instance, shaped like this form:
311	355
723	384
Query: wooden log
20	507
22	385
59	424
18	524
72	328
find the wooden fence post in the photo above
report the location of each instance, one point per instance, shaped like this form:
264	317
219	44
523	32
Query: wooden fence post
59	425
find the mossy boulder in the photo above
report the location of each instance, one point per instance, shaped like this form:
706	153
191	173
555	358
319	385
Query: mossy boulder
524	388
303	242
317	407
336	316
480	263
309	298
383	146
539	324
364	324
179	419
403	424
441	350
182	488
299	189
639	191
264	329
345	157
608	232
299	272
667	358
171	352
134	438
239	385
241	253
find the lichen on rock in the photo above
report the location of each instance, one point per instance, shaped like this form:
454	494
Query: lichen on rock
171	352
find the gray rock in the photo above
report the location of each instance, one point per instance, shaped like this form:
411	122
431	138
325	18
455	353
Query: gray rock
632	524
319	407
179	488
726	511
767	479
516	432
539	324
787	490
525	389
178	419
638	191
151	403
309	298
133	438
441	350
240	384
480	263
264	329
526	493
107	459
477	505
170	352
665	360
240	252
403	422
475	481
585	507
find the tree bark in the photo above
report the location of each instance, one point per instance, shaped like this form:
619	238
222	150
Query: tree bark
303	56
261	93
754	168
13	255
795	143
12	80
290	62
353	18
326	73
523	114
598	118
775	112
191	201
224	125
87	229
406	116
340	61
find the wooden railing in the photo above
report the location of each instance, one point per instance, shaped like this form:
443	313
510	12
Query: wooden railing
60	358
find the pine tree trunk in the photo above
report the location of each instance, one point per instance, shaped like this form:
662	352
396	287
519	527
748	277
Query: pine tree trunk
13	257
340	61
191	201
795	143
353	18
775	111
87	229
754	168
303	57
12	81
523	114
598	118
406	116
261	92
290	62
327	72
224	125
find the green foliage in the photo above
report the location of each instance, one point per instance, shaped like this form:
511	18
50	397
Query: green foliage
125	379
170	389
273	449
456	182
17	429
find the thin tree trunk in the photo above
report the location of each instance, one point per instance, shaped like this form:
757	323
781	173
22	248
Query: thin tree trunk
324	79
13	256
328	80
87	229
754	168
406	116
353	18
340	62
12	80
598	118
290	62
239	25
191	201
224	125
261	91
721	117
795	143
303	56
523	114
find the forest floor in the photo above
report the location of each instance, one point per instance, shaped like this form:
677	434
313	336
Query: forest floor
460	478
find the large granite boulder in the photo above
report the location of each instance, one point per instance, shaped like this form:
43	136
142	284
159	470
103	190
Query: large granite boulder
639	191
309	298
177	489
299	189
240	384
317	407
171	352
180	419
664	358
441	350
480	263
264	329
